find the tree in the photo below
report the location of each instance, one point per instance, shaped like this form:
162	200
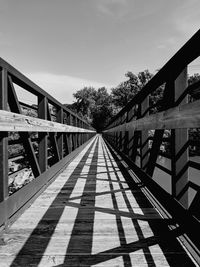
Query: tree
196	93
126	90
85	100
102	110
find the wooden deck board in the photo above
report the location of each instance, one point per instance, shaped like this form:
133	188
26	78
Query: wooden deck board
89	216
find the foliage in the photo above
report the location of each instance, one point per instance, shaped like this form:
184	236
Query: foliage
193	78
126	90
102	110
97	106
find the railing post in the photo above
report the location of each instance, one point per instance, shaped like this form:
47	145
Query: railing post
42	137
130	134
82	133
124	134
144	143
118	136
78	134
60	135
69	135
75	134
3	139
179	140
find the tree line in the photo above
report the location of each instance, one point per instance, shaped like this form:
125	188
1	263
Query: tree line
98	106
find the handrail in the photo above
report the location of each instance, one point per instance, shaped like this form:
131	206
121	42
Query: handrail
31	87
139	136
46	140
10	121
170	71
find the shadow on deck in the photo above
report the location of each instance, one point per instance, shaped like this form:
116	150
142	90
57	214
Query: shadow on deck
93	214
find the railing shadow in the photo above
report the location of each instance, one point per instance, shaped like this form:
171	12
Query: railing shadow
85	247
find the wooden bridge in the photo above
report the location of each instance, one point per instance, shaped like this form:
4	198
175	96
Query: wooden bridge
92	199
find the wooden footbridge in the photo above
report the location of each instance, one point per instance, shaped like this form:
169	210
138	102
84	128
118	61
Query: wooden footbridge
91	199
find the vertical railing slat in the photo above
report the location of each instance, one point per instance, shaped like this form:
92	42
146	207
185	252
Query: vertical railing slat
3	139
42	137
60	135
180	138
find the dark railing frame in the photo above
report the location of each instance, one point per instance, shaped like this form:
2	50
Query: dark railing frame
176	115
70	135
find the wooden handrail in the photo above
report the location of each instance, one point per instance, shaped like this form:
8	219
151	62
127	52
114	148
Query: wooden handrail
27	84
138	136
48	141
185	116
170	71
14	122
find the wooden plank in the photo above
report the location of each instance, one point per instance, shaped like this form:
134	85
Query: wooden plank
16	203
16	122
90	216
185	116
168	206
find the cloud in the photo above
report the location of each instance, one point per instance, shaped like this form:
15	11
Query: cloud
114	8
62	87
128	9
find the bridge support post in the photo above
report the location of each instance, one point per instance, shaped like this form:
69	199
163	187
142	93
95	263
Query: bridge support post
69	136
123	134
42	137
130	135
3	141
144	143
179	148
60	135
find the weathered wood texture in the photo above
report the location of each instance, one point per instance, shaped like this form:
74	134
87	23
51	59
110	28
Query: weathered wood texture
184	116
16	122
22	81
93	214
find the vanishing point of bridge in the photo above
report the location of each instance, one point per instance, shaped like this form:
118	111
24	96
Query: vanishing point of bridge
71	197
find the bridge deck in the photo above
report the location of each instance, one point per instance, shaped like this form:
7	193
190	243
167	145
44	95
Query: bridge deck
89	216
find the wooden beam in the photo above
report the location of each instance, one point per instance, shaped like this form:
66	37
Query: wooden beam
185	116
20	123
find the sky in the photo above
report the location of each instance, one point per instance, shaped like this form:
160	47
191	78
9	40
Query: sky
64	45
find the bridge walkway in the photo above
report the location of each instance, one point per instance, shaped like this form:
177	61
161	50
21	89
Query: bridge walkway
94	214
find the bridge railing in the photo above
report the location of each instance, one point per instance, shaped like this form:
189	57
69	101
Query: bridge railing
36	140
146	135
